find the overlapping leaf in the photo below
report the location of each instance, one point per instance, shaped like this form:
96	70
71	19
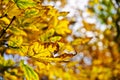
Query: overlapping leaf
45	36
29	73
16	31
62	27
24	3
37	50
5	63
15	41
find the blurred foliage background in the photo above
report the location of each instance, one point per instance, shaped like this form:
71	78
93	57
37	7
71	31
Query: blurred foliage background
95	37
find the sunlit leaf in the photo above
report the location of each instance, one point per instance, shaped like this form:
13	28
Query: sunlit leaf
5	20
37	50
31	28
54	21
80	41
41	36
55	38
24	3
45	36
15	41
31	12
51	48
62	27
52	11
88	26
29	73
9	76
5	63
16	31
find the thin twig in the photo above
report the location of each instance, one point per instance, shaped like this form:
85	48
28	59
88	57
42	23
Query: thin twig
4	30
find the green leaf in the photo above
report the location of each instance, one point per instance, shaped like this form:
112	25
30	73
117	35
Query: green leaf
24	3
15	41
55	38
5	63
31	12
45	36
29	73
16	31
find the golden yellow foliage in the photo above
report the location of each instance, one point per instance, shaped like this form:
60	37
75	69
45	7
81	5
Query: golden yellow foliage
34	46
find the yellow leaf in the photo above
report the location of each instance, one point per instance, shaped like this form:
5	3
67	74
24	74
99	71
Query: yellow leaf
5	63
15	41
88	26
23	50
40	65
45	36
16	31
52	11
31	12
62	27
69	48
55	38
80	41
42	26
51	48
32	28
54	21
29	73
37	50
9	76
5	20
22	4
14	11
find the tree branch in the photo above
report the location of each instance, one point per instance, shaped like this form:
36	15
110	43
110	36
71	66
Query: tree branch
4	30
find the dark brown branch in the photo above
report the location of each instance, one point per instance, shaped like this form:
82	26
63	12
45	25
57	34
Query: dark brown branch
3	16
4	30
5	68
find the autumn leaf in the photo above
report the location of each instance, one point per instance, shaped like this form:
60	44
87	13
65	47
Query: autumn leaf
41	32
88	26
80	41
24	3
55	38
15	41
38	50
5	20
29	73
32	28
31	12
5	63
54	21
45	36
16	31
62	27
